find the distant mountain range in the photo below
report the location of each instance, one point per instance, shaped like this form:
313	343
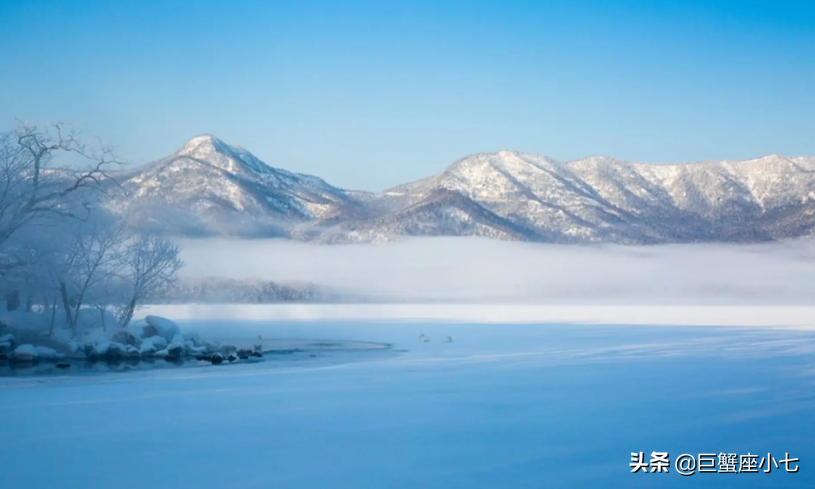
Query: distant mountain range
210	188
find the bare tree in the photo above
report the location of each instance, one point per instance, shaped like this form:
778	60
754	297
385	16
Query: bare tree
150	265
32	186
96	258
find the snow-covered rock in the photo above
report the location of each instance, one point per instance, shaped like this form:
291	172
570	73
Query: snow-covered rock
147	349
175	349
132	352
157	341
101	348
25	353
5	348
126	337
212	346
45	353
162	353
7	338
195	350
116	350
76	350
178	338
136	328
109	349
161	327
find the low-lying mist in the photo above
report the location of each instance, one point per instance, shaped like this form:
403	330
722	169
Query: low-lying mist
479	270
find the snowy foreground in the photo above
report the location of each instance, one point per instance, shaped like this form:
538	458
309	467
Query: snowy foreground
502	406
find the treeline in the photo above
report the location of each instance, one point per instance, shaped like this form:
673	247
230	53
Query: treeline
218	290
62	253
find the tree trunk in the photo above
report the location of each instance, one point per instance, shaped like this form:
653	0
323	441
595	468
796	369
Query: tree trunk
131	307
53	317
76	310
66	305
102	313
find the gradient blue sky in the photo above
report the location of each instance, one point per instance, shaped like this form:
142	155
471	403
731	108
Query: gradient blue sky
369	94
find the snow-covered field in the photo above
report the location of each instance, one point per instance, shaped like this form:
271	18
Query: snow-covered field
502	406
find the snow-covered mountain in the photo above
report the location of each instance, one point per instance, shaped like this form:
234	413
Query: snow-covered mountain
209	187
601	199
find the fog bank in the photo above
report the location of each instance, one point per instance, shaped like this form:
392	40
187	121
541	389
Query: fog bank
477	270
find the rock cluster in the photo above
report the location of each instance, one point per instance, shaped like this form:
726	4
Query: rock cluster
151	338
26	353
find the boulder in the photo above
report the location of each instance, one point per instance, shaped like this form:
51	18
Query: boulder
24	353
6	347
157	341
132	352
99	349
136	328
45	353
175	350
161	353
147	349
116	351
216	358
212	346
126	337
231	357
162	327
194	350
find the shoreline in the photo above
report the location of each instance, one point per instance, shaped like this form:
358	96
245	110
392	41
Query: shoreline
782	317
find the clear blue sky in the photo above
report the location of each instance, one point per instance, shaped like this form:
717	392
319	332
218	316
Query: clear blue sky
368	94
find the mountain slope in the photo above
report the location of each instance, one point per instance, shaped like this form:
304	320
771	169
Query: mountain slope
442	212
606	200
211	188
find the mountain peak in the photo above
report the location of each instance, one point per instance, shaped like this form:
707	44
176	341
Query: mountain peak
206	142
233	159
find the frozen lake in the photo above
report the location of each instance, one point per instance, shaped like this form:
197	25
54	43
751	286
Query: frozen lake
503	406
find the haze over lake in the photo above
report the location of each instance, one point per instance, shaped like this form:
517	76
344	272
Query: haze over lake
480	270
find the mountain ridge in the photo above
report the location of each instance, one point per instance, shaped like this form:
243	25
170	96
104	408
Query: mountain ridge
209	187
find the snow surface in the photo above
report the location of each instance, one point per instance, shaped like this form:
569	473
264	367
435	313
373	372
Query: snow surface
516	406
